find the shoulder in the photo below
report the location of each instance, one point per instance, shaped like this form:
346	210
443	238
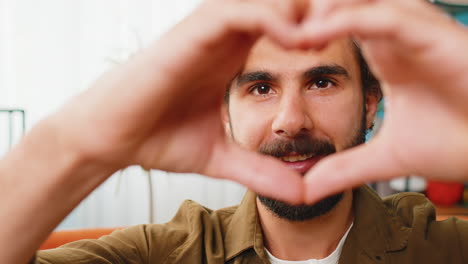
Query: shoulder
418	213
446	239
191	229
193	217
411	208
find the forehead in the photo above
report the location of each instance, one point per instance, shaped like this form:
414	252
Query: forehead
268	56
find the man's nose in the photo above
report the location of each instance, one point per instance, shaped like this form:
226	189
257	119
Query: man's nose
291	118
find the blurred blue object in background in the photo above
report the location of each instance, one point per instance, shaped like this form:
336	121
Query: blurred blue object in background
462	17
455	8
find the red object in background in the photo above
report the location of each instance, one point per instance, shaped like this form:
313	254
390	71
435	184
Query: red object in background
444	193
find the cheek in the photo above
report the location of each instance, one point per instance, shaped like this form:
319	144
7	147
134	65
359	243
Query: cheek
250	125
339	118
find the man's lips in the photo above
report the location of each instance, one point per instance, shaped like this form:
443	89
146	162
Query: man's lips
303	166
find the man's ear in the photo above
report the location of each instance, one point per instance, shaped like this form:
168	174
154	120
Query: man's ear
373	96
225	119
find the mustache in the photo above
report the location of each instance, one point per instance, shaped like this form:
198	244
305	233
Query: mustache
302	145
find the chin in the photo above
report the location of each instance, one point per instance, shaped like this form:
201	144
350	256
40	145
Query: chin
299	213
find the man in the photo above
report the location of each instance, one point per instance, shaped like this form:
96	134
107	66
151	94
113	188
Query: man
298	106
174	95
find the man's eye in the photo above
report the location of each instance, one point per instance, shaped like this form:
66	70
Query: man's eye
322	84
261	89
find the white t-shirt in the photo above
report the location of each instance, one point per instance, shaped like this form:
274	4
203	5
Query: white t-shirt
333	258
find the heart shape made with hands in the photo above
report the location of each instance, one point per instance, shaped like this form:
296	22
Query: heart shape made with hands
172	119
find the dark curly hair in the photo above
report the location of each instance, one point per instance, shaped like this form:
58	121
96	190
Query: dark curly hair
368	80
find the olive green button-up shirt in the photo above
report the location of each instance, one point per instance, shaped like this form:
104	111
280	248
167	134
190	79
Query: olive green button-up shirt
398	229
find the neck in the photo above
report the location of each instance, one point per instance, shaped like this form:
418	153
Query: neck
312	239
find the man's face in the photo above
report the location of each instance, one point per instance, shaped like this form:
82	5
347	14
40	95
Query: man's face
299	106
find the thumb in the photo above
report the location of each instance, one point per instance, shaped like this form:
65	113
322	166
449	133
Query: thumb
350	168
262	174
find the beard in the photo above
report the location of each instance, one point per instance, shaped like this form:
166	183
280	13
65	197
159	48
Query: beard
303	144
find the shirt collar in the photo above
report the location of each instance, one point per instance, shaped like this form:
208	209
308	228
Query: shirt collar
244	230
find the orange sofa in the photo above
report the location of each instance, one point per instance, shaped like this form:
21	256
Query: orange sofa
59	238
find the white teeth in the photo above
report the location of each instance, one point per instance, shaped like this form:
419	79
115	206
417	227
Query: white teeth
297	158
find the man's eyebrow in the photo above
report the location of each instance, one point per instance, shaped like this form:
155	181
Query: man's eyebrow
333	69
255	77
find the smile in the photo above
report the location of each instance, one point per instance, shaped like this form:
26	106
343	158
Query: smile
296	158
301	163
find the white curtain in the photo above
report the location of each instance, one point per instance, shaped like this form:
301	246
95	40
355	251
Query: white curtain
125	199
52	49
